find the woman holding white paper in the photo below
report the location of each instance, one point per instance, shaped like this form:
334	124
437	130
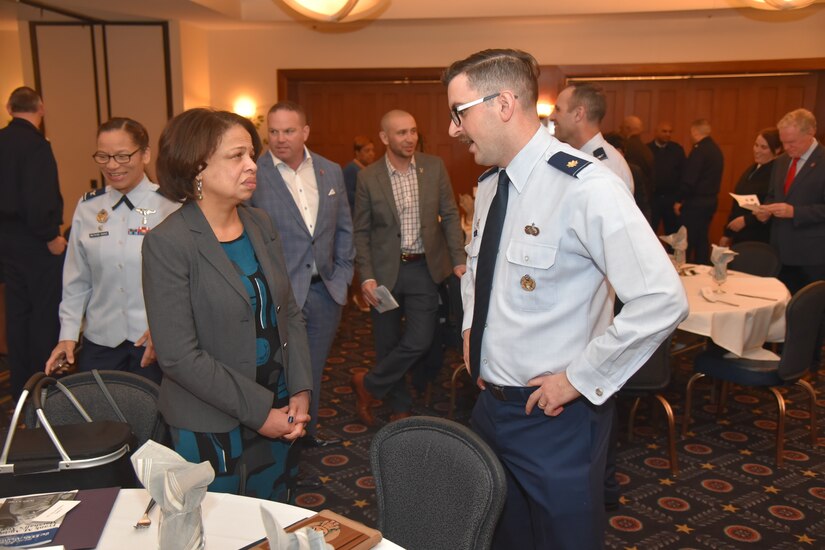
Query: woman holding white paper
742	225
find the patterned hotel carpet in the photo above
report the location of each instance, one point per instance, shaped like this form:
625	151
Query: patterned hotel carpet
728	494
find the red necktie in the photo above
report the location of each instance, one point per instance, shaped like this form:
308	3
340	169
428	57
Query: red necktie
791	174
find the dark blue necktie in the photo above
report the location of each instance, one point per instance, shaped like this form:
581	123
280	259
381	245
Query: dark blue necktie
485	267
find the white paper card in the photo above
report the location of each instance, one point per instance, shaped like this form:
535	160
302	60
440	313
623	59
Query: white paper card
57	511
386	301
748	202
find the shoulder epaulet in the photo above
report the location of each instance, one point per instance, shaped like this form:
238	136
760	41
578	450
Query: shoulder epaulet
600	153
567	163
488	173
93	194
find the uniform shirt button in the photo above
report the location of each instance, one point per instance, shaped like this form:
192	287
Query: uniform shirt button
484	361
599	392
527	258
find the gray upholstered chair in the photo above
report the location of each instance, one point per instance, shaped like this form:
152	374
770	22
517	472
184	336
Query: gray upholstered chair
438	485
756	258
136	398
651	380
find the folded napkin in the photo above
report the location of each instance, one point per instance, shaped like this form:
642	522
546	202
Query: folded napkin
178	487
720	257
302	539
678	242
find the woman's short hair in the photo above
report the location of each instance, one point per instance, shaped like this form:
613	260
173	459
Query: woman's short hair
771	136
187	141
135	129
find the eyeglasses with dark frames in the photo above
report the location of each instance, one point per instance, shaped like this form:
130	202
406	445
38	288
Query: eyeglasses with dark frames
455	112
121	158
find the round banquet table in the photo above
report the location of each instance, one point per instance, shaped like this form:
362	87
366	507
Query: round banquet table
230	522
742	329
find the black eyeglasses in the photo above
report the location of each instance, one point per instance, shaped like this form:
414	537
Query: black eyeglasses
455	112
121	158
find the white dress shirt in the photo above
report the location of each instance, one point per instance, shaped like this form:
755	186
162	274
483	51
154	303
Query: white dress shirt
302	186
102	279
615	160
566	238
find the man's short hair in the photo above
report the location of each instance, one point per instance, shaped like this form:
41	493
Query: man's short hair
24	100
491	71
590	96
289	106
702	126
802	119
360	142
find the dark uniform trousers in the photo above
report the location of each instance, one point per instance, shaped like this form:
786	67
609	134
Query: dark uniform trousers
34	286
555	470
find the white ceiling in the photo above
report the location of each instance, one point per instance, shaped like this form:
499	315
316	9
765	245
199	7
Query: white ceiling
234	12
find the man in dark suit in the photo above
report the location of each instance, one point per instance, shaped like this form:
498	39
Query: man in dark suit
408	238
668	161
305	196
697	196
31	246
796	201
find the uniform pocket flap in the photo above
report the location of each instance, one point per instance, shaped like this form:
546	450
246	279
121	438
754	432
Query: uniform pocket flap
535	255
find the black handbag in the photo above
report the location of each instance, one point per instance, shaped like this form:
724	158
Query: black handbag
87	455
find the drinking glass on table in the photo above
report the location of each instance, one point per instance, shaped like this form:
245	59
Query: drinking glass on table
720	275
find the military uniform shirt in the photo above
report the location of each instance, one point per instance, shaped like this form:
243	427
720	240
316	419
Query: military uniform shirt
612	158
570	228
102	274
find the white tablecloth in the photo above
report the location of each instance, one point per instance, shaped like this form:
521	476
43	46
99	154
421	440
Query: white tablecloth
230	522
744	328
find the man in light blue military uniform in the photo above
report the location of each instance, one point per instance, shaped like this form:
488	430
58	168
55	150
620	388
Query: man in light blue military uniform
553	229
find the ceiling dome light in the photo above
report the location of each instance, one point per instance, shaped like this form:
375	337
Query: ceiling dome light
335	11
781	4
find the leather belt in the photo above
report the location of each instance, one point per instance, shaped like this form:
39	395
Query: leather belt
406	257
509	393
315	279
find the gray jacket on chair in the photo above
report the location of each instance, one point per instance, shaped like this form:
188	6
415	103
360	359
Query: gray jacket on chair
201	322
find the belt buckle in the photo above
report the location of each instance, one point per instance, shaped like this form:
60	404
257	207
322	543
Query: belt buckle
407	257
497	392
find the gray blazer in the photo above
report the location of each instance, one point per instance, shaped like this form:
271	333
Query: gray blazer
799	240
330	246
377	228
202	327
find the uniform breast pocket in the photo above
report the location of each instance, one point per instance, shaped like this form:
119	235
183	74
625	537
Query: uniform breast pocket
529	280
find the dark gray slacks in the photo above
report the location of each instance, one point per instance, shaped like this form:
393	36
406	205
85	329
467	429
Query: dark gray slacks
399	348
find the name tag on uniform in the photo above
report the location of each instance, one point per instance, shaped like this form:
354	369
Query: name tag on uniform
98	234
140	231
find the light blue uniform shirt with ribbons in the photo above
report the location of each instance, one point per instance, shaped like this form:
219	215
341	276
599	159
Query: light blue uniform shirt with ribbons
102	275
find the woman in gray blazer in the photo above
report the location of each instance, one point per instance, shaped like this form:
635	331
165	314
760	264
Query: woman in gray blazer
228	334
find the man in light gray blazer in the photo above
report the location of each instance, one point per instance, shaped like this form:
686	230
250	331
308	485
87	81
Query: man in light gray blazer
305	196
408	238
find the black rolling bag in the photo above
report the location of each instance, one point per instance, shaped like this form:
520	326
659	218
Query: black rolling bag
87	455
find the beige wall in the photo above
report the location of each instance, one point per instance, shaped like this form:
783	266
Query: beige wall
11	74
246	60
194	66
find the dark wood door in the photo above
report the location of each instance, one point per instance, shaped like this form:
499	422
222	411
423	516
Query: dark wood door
339	111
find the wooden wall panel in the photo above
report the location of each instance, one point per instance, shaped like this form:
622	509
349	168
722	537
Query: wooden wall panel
737	108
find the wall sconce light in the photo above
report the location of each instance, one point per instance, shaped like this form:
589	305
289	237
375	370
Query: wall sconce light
245	106
544	110
335	11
